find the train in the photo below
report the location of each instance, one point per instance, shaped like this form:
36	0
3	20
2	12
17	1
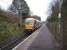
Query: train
31	24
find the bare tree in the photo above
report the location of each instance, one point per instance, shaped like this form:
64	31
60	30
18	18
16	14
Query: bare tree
64	23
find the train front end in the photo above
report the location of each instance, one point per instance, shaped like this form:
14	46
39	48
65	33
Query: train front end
29	24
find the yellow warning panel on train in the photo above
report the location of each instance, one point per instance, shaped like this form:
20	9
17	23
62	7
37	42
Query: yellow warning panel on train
29	26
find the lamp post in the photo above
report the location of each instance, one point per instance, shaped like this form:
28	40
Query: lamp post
20	11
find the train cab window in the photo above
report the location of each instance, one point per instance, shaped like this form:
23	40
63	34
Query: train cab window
28	21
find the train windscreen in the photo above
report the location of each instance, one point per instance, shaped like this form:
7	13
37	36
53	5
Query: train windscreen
28	20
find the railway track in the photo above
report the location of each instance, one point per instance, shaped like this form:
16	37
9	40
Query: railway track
12	43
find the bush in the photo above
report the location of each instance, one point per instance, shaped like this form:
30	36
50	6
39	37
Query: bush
8	30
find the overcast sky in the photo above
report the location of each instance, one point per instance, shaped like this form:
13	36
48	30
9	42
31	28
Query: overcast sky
4	4
37	7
